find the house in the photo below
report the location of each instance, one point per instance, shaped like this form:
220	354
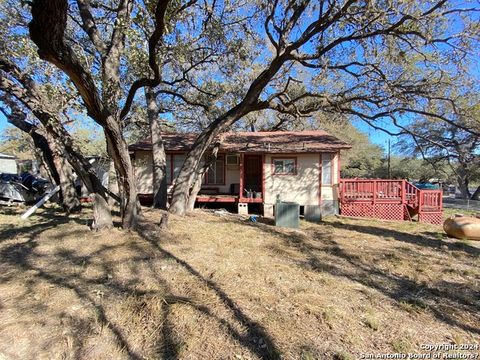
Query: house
8	164
256	168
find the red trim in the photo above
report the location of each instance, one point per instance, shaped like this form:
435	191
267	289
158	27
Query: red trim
220	199
250	200
338	167
320	179
263	176
243	199
241	175
294	158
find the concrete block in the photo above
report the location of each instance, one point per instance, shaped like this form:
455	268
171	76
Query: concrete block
268	211
243	208
329	207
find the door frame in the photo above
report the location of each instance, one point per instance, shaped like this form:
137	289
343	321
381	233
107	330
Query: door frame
242	175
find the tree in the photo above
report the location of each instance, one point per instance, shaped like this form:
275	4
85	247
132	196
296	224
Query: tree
48	151
16	142
443	143
49	31
370	60
364	158
25	90
159	157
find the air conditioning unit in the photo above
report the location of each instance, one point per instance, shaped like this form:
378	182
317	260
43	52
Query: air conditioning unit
233	159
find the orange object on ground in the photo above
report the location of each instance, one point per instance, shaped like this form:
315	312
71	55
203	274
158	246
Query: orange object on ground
462	227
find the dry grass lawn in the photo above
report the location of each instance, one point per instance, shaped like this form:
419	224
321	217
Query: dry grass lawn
219	287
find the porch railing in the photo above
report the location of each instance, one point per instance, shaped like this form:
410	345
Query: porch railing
389	191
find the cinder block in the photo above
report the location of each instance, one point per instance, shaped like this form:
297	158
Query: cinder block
268	211
243	208
329	207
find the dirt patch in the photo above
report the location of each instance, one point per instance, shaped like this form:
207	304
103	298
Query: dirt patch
217	287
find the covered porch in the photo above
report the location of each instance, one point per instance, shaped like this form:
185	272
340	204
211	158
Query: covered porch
243	180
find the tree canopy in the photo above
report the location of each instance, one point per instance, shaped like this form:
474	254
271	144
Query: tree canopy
211	66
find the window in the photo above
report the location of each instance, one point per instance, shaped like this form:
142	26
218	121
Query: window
215	174
327	169
173	165
168	168
178	161
285	166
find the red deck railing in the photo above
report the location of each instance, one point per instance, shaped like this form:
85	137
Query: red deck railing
390	199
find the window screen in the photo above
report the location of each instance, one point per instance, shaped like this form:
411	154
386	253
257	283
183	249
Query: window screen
284	166
215	174
178	161
327	169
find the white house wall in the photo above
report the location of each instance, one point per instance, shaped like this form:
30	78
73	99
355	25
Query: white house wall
302	187
329	193
144	173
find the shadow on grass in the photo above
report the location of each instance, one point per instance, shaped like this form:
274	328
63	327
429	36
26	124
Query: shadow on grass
47	219
256	333
323	254
65	269
421	240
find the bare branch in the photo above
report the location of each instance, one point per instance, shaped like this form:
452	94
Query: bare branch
89	26
152	54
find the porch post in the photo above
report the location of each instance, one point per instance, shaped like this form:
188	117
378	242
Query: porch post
241	177
263	178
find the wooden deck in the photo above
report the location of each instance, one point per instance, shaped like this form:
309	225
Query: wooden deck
390	200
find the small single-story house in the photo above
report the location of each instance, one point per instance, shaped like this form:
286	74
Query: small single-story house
8	164
256	168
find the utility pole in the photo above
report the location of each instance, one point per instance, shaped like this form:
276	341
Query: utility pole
388	160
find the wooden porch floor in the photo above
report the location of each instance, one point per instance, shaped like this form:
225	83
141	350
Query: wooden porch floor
226	198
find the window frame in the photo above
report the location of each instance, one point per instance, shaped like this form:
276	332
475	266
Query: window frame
222	158
331	160
283	158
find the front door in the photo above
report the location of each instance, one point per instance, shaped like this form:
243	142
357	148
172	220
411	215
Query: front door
252	173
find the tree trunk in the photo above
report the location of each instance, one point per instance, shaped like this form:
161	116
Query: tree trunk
69	198
476	194
102	218
66	179
80	164
197	184
462	180
187	175
159	158
113	185
118	150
